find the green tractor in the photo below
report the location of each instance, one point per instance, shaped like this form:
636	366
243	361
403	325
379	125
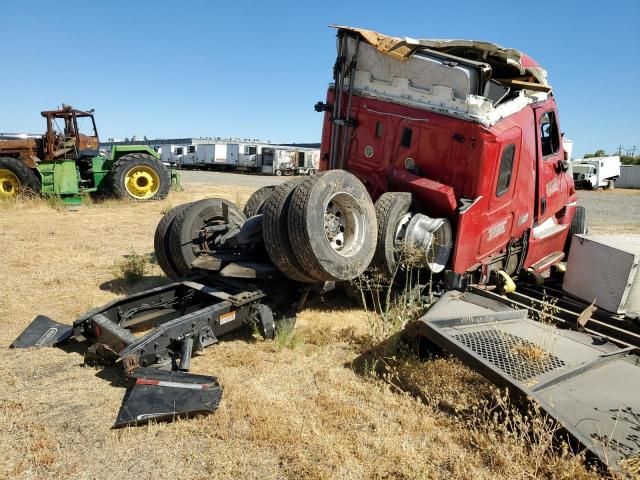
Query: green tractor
66	162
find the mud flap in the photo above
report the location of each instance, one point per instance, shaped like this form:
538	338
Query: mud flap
43	332
160	395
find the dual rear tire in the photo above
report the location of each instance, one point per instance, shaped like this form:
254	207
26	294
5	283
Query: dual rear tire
332	226
182	233
314	229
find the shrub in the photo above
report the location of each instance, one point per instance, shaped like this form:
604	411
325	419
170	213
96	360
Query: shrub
132	268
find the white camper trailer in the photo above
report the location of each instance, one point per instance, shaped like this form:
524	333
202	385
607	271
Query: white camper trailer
596	172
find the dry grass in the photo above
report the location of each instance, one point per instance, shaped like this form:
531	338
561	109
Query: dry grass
298	407
532	353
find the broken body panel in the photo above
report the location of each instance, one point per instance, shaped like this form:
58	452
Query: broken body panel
586	382
429	117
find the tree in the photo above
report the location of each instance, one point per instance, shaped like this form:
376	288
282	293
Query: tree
597	153
629	160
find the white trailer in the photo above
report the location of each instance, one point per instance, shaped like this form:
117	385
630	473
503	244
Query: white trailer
596	172
267	157
285	162
197	155
290	161
231	155
310	162
175	154
249	156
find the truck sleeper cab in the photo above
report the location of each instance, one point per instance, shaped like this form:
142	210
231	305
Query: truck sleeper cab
499	179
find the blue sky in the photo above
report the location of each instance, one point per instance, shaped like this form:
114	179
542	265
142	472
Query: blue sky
255	69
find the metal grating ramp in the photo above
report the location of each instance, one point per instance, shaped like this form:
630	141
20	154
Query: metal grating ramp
515	356
589	385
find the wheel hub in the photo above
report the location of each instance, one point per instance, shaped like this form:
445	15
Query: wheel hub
142	182
344	224
9	184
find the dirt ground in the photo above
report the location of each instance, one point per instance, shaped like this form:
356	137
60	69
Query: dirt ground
612	211
305	406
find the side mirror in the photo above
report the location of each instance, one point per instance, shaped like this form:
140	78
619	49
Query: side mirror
562	166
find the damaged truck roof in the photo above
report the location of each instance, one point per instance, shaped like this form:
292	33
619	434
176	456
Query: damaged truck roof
475	80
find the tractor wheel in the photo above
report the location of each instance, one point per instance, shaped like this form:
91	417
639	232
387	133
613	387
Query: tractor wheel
275	233
390	208
187	237
332	226
578	226
16	178
256	201
140	176
161	242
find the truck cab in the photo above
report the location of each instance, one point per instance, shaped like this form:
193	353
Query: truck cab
470	129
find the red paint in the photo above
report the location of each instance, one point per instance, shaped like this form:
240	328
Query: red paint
457	159
146	381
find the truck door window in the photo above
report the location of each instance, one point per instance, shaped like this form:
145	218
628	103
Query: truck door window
549	137
192	149
179	151
506	170
406	138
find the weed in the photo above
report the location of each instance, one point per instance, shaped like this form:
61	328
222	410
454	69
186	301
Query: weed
391	303
238	200
132	268
55	202
166	208
631	465
531	352
286	337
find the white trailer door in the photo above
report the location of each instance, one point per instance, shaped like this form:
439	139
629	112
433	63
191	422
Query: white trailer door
206	153
220	156
233	151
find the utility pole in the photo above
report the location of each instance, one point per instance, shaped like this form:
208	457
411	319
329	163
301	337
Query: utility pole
633	151
620	150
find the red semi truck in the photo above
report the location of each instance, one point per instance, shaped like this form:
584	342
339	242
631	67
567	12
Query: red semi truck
471	130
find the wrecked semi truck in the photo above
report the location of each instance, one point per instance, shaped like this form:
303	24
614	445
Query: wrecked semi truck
452	147
457	139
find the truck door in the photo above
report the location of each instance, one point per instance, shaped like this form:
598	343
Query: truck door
552	181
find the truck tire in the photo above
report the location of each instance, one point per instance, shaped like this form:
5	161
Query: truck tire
139	176
275	233
390	208
161	242
185	238
332	226
16	178
256	201
578	226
